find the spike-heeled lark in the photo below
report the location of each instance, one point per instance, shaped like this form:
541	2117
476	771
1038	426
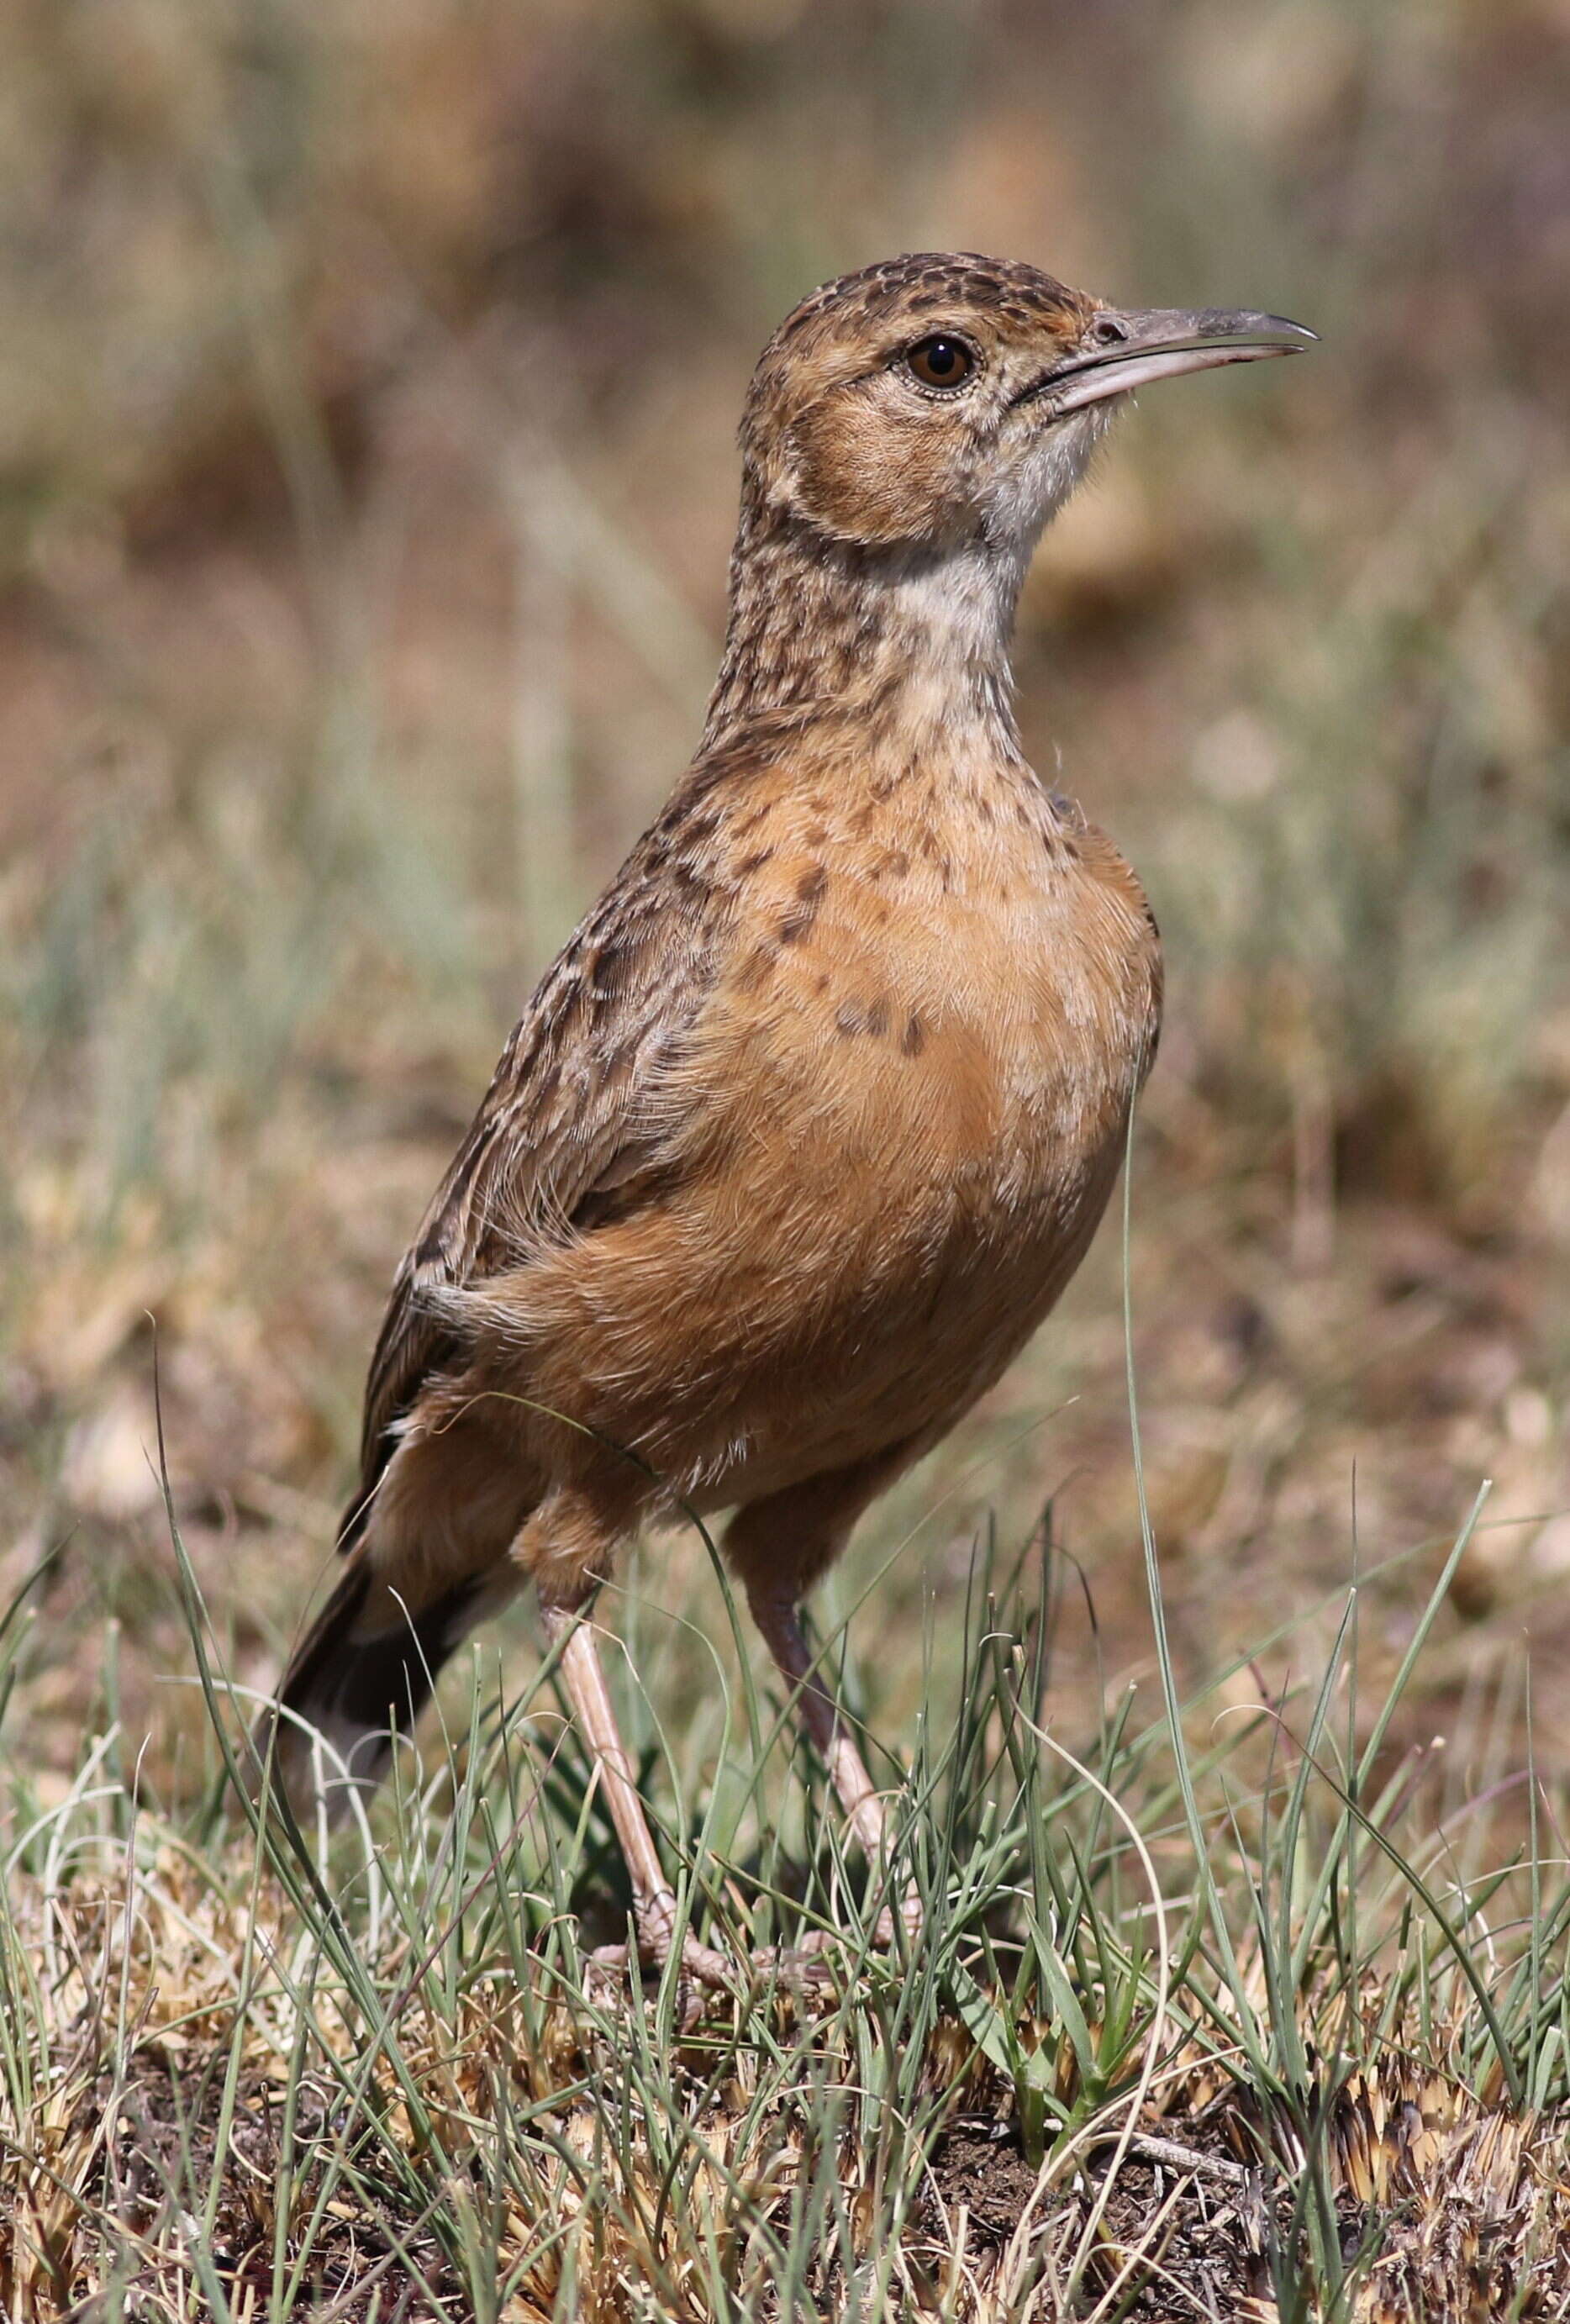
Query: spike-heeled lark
807	1126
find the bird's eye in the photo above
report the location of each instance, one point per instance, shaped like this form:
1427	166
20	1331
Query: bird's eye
940	361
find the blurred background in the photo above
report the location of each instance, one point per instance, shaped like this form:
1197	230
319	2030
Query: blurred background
368	380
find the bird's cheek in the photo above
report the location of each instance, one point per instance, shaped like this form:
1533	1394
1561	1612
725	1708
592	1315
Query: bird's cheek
857	478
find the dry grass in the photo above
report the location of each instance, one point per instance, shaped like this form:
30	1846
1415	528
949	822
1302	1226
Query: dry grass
366	385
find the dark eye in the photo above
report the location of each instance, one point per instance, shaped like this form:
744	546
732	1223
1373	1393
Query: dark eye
940	361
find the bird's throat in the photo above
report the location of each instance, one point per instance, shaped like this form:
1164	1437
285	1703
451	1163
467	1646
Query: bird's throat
915	639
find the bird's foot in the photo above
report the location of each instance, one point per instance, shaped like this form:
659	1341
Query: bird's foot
805	1966
907	1919
802	1968
700	1963
701	1967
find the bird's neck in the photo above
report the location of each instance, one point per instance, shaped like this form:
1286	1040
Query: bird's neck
917	641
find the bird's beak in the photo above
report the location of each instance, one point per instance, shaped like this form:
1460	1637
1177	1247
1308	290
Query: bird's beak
1129	347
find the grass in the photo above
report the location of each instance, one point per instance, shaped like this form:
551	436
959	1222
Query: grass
1238	2009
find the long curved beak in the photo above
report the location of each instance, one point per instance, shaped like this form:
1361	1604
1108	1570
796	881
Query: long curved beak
1130	347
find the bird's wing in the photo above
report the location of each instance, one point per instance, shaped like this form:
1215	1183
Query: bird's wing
571	1121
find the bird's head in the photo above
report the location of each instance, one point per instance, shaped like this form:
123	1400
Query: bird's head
935	403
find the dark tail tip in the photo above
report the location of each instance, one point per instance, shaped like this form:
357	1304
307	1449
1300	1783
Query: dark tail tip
357	1692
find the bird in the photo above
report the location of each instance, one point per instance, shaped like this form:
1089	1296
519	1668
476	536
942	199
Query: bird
804	1131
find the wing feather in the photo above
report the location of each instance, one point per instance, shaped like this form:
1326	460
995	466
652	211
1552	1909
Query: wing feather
571	1118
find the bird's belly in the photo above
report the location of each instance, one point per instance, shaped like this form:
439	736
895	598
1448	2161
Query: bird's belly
950	1240
888	1364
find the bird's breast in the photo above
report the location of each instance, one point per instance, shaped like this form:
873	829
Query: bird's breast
960	1004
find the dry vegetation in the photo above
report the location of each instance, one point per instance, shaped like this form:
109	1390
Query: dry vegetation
367	381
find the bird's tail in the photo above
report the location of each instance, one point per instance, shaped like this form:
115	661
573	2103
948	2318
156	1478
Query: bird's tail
363	1671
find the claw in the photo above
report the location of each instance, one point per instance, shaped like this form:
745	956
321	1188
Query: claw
702	1968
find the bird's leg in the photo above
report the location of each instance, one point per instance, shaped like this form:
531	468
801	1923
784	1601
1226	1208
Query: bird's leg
653	1899
779	1619
780	1545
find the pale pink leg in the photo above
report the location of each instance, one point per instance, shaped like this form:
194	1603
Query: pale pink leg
653	1900
779	1622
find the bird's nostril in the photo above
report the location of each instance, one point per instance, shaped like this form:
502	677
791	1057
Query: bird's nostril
1108	332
